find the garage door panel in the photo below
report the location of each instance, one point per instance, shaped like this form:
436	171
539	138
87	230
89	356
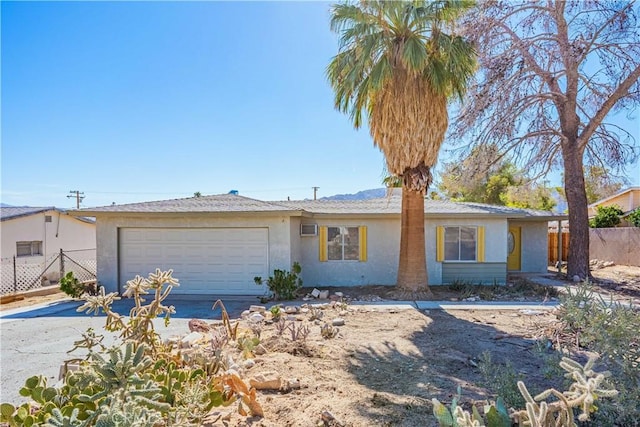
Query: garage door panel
204	260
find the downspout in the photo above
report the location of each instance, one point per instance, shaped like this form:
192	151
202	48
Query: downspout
58	225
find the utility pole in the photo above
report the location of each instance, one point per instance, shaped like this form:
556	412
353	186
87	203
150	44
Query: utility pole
315	192
78	195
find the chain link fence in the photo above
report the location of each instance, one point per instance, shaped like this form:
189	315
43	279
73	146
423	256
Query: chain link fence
24	274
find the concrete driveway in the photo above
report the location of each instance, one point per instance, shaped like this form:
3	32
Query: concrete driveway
35	340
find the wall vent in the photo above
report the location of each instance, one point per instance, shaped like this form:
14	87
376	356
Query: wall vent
308	229
47	218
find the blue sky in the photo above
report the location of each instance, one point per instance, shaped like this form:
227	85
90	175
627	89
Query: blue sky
137	101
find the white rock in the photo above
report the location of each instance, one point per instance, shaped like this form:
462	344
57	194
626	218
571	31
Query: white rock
190	339
576	278
315	293
338	321
339	294
245	314
249	363
291	309
323	295
294	383
256	317
257	308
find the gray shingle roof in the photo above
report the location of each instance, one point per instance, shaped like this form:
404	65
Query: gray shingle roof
387	205
18	211
393	205
204	204
12	212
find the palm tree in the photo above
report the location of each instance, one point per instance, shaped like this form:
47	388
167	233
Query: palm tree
397	63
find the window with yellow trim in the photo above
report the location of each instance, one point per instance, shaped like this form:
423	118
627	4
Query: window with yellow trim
460	243
343	243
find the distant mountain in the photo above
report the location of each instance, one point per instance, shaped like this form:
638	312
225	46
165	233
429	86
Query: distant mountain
374	193
4	205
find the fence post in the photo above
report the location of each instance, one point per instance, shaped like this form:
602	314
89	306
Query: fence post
15	276
559	246
61	264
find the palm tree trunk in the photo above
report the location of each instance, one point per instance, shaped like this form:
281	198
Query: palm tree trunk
412	267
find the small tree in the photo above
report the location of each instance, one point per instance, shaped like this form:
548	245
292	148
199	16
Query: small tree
634	217
606	216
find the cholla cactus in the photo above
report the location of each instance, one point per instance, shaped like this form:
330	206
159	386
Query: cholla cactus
586	388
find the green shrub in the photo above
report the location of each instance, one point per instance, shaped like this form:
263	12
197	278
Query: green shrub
606	216
71	286
283	285
634	217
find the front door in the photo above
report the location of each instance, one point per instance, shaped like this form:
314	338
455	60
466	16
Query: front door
513	249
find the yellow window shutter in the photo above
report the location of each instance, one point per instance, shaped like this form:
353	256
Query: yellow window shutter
440	243
480	244
362	233
322	237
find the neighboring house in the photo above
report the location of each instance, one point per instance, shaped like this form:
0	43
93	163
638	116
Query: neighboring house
628	200
218	244
36	233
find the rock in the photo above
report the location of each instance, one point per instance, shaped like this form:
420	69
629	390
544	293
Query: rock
249	363
266	381
471	299
343	313
304	310
197	325
323	295
245	314
257	308
293	384
315	293
329	419
291	318
291	309
259	350
190	339
531	312
338	321
339	294
256	317
576	278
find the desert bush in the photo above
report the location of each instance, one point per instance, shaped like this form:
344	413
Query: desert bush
610	329
284	284
547	409
501	379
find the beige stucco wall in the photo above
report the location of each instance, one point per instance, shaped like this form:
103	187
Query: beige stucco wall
627	202
107	233
63	232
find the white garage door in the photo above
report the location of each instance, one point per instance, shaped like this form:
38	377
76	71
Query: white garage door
204	260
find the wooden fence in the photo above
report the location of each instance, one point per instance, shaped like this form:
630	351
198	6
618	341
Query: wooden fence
553	247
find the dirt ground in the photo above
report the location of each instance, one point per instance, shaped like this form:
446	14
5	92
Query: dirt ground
386	363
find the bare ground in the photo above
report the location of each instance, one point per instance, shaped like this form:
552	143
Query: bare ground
385	364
